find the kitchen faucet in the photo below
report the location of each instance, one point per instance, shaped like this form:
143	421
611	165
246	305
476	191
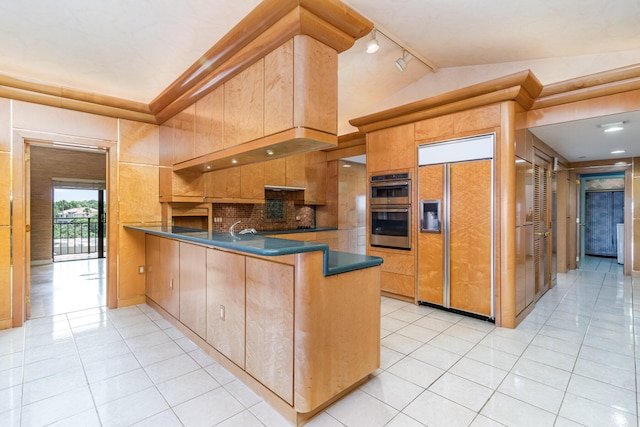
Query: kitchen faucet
232	228
245	231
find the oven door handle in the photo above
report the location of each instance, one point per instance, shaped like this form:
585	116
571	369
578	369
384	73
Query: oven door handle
390	184
392	210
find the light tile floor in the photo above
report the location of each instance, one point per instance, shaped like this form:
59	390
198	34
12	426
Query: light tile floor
571	362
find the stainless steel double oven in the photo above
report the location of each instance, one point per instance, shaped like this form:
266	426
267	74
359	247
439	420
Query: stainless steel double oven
390	210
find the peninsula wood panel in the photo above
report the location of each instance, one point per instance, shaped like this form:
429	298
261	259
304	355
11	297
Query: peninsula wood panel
330	356
269	327
431	245
209	113
193	287
278	89
470	236
243	106
226	304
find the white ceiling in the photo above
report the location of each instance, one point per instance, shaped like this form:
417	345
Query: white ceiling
134	49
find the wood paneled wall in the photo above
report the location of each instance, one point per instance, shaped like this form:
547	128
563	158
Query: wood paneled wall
131	169
47	163
5	212
636	217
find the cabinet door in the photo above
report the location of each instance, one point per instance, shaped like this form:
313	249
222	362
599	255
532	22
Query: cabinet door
315	177
223	183
431	245
153	267
170	276
275	171
243	106
392	148
226	304
470	226
295	173
269	356
193	287
252	181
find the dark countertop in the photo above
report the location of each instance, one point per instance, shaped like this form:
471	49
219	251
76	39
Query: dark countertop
335	262
303	230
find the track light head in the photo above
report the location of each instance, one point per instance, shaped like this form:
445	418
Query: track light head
373	45
401	63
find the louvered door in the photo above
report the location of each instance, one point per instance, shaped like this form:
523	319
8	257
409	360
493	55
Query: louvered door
541	223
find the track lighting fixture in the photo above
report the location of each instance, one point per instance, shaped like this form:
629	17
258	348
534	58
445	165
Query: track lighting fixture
401	62
373	45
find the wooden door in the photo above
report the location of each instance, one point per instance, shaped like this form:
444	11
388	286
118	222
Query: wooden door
431	245
542	248
226	304
470	236
193	287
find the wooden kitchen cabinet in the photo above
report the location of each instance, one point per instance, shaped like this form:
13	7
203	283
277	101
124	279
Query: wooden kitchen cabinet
225	302
223	184
308	170
295	175
275	172
208	123
163	273
391	149
269	328
193	287
398	272
243	106
252	181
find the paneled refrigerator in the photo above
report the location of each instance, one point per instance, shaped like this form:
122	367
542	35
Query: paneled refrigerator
456	239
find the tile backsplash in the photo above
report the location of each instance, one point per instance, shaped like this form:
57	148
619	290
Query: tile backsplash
278	213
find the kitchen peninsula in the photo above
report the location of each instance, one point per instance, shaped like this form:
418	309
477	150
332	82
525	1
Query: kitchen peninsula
296	322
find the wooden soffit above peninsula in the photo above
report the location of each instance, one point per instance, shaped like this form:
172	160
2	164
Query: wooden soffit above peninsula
268	26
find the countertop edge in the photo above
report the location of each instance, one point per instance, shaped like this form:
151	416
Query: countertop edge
334	262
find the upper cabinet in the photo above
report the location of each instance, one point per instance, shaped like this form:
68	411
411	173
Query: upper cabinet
391	149
283	104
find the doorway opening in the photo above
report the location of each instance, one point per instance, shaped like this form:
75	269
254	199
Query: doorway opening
67	200
79	223
602	213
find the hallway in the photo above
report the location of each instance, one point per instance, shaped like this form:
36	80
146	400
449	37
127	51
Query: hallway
68	286
571	362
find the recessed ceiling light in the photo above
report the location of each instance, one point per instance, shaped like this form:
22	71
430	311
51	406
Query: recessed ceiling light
269	152
208	167
346	165
613	127
617	151
234	161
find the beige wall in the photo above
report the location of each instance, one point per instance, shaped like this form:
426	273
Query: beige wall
47	163
132	180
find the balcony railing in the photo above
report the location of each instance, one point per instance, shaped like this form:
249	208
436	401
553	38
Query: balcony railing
78	238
